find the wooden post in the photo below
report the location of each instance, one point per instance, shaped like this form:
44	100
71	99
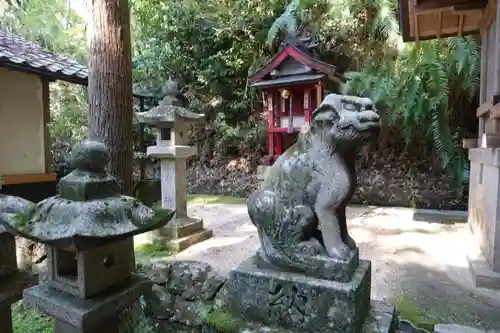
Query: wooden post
484	65
270	126
307	105
497	63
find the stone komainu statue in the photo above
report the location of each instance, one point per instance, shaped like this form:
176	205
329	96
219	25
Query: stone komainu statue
300	209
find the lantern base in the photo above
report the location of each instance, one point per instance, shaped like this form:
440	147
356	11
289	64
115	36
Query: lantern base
85	315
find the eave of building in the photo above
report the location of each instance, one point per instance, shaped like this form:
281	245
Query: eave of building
444	18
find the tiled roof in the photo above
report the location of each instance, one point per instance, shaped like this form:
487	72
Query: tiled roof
20	53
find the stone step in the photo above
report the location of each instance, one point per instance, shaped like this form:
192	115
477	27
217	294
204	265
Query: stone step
180	244
181	227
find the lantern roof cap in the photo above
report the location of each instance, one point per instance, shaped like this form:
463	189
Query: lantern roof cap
89	210
169	109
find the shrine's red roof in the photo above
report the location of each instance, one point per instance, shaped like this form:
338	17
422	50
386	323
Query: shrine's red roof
291	51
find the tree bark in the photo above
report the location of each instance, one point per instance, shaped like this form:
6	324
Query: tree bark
110	84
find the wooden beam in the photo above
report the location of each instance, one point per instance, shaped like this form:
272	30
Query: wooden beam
483	109
439	23
461	25
26	179
432	11
416	29
489	15
437	4
469	7
495	111
470	143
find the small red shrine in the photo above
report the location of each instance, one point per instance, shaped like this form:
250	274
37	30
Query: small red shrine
293	85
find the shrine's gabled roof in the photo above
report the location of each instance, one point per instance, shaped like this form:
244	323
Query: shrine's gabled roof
290	52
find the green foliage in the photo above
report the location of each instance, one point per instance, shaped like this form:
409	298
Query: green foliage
30	321
210	51
210	47
421	89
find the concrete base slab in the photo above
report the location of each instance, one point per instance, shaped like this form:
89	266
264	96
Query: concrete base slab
381	318
183	243
483	276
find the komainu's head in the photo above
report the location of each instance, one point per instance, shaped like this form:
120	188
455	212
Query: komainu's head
345	118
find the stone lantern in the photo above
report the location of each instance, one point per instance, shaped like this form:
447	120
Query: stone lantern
88	231
12	282
171	122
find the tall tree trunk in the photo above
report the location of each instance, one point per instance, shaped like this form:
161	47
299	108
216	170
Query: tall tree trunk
111	100
110	84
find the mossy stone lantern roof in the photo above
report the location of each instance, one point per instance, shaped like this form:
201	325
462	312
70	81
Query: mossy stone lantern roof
89	210
10	206
169	109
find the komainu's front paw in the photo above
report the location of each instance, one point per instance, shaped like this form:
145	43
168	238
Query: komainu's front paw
340	252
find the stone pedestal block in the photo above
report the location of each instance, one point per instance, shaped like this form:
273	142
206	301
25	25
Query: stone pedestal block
484	215
299	302
99	314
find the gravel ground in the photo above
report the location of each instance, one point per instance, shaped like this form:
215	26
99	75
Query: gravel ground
424	261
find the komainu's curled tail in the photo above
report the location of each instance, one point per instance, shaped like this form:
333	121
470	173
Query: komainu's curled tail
278	249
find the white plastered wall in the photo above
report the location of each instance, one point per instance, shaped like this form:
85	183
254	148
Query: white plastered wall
21	124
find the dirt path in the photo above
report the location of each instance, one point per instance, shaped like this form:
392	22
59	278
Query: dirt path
424	261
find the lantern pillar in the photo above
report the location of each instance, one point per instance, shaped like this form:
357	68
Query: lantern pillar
172	149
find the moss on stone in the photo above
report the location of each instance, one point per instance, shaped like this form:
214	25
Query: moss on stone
23	221
409	310
223	322
152	250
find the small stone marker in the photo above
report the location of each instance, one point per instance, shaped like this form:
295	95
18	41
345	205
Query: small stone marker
12	282
88	230
171	121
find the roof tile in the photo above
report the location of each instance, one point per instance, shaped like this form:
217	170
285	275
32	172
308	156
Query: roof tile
18	50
